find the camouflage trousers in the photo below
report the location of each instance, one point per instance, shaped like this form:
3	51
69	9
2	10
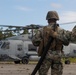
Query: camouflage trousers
53	61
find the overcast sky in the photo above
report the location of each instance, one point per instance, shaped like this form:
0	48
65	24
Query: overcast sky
25	12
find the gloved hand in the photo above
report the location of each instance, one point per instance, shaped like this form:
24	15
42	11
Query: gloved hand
53	33
50	32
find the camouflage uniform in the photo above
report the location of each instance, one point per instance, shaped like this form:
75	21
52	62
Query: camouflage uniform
65	35
53	56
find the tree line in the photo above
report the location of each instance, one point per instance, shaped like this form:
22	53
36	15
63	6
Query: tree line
6	32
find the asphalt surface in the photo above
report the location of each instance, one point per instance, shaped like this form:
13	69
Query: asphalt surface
26	69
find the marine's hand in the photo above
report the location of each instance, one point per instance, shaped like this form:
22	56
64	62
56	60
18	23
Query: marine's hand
51	32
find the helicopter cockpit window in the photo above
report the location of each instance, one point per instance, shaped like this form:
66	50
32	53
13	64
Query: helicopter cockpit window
19	47
5	45
31	47
74	51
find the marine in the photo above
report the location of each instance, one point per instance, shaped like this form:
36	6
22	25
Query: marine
54	54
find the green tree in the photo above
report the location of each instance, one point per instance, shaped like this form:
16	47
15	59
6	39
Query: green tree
1	35
25	31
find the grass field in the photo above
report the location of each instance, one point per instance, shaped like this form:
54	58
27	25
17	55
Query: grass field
72	60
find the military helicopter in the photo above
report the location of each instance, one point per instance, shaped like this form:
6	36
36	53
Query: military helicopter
19	48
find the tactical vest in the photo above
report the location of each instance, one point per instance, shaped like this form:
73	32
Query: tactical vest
57	45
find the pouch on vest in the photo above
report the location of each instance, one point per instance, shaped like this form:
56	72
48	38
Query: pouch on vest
40	48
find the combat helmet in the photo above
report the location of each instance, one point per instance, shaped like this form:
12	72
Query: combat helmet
52	15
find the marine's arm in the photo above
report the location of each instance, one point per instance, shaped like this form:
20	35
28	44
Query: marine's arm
67	36
37	38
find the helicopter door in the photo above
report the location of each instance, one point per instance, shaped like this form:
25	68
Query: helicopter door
19	49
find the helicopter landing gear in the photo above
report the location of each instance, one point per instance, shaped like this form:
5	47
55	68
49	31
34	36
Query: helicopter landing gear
67	61
25	60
